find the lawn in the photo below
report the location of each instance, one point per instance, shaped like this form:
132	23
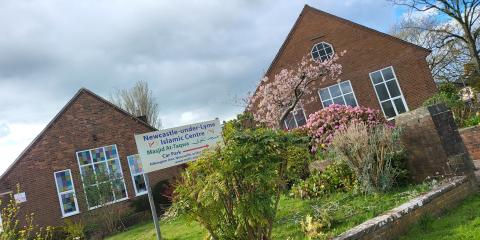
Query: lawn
347	210
462	222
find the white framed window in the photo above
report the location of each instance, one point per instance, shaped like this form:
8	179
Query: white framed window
136	171
296	118
322	51
66	193
102	176
389	93
340	93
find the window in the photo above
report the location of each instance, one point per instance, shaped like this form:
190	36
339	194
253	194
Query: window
322	51
102	176
388	92
341	93
136	171
66	193
295	119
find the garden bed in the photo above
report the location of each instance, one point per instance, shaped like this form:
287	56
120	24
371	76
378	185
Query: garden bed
347	210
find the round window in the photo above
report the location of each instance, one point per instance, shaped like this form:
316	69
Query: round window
322	51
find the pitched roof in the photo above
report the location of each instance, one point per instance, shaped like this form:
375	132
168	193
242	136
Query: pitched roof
57	116
317	11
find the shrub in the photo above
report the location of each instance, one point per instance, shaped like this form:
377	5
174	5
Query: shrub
11	228
336	176
473	121
299	158
322	125
73	230
162	195
314	229
369	152
233	192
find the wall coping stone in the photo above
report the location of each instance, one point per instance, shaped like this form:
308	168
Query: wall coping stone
402	210
468	128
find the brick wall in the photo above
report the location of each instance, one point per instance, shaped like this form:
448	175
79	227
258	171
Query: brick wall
433	144
399	220
55	150
367	51
471	138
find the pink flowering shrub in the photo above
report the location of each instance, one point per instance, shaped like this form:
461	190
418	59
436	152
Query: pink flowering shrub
322	125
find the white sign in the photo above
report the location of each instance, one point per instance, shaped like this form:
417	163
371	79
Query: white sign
174	146
20	197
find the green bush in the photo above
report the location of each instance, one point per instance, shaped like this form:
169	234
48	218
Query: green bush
233	192
336	177
73	230
473	121
299	157
370	153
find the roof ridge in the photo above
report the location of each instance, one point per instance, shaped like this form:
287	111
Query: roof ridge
62	110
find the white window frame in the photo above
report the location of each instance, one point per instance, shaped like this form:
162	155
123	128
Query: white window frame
133	175
342	95
94	172
294	118
59	194
388	91
316	49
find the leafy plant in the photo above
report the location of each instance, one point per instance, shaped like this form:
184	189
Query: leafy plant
369	152
74	230
314	229
336	177
473	121
299	158
233	192
12	229
322	125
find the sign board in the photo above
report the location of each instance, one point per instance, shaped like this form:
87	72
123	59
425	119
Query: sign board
174	146
20	197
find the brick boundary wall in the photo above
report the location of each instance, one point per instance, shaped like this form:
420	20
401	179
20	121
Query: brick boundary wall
471	139
399	220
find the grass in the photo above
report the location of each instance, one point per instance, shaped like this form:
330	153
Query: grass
462	222
347	210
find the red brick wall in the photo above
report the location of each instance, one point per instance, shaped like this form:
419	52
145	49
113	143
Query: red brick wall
55	151
471	138
367	51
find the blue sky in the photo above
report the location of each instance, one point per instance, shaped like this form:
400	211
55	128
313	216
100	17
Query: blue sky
186	50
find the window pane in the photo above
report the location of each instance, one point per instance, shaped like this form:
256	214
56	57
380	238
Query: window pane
105	193
68	203
327	103
111	152
92	193
135	164
119	189
290	122
329	50
324	58
382	92
324	94
101	172
87	174
339	100
140	183
98	155
300	117
393	88
84	157
64	181
114	167
315	54
399	105
387	74
335	90
388	109
350	100
376	77
346	87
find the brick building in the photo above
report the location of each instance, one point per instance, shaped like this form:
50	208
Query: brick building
379	71
88	135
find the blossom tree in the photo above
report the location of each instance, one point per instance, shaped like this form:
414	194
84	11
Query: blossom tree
276	98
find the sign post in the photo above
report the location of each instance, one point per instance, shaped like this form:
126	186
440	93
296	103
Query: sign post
170	147
152	207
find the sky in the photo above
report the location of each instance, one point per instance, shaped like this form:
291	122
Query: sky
197	56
